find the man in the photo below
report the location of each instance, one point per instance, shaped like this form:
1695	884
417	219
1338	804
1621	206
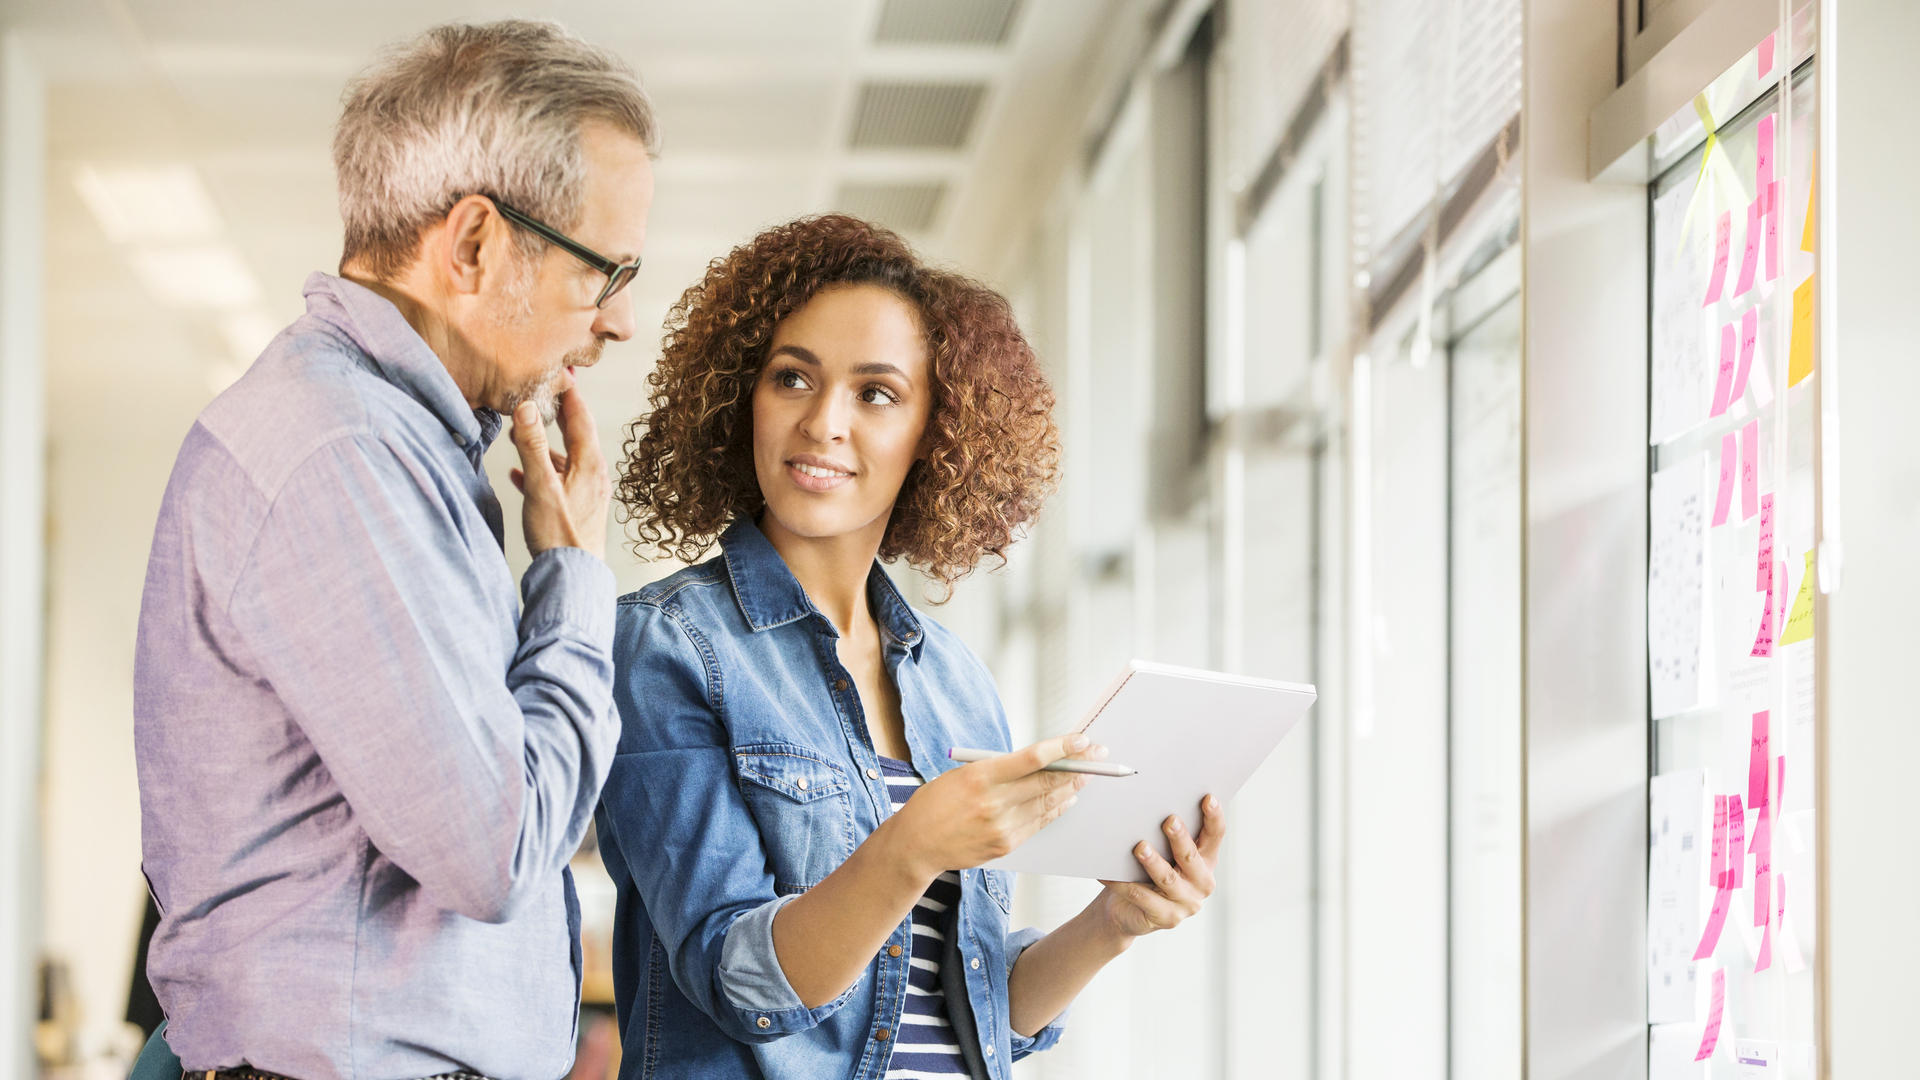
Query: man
363	766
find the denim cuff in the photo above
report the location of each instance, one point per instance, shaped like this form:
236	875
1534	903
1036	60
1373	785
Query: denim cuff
1044	1039
571	586
750	975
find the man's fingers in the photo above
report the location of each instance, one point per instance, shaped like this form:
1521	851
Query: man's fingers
577	426
530	438
519	480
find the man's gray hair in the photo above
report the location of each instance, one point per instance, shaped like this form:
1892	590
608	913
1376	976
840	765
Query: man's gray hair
494	110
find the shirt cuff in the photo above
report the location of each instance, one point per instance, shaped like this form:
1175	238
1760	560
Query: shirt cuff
756	985
1044	1039
573	586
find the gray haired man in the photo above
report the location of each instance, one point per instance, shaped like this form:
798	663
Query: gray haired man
363	762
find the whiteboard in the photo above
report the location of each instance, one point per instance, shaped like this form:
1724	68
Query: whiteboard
1190	733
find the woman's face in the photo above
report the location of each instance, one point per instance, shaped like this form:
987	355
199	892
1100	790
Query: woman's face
840	411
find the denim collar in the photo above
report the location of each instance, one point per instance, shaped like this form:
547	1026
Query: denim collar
769	595
397	354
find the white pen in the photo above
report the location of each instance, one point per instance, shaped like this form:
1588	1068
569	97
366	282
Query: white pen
1091	768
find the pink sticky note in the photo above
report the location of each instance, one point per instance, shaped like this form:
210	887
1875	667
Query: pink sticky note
1750	469
1764	581
1710	1038
1766	56
1750	252
1763	156
1736	843
1717	873
1723	384
1722	241
1757	761
1716	919
1749	338
1780	781
1773	229
1729	465
1763	638
1765	959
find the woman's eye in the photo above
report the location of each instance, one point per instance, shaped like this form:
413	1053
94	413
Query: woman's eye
790	380
877	395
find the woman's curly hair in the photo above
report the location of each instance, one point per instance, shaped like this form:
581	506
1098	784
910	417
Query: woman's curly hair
992	449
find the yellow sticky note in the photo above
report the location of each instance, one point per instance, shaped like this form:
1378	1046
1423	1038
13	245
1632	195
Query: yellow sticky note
1800	358
1800	619
1806	231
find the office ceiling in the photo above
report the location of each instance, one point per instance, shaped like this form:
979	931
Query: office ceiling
949	119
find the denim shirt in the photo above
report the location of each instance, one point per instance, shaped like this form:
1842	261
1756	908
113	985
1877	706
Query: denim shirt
744	776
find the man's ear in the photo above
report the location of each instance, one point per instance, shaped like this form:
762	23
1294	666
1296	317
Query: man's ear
472	228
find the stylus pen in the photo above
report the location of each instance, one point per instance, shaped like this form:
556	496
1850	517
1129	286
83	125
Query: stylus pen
1091	768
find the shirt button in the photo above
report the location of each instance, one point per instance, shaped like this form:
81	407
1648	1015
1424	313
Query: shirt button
893	951
873	774
989	1051
839	684
459	439
976	963
801	783
763	1023
883	1034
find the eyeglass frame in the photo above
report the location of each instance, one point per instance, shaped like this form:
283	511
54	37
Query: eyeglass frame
619	275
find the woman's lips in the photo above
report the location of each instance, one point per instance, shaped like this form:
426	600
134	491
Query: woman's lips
810	482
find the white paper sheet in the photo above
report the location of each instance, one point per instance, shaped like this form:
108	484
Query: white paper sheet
1679	665
1757	1060
1674	879
1683	370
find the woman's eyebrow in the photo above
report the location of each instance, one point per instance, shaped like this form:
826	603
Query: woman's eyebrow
803	355
806	356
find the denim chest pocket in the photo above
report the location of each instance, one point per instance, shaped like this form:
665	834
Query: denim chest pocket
803	804
1000	887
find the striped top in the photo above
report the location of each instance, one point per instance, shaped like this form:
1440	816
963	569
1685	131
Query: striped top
925	1045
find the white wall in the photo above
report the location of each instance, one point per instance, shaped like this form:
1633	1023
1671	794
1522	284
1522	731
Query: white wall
1585	298
1871	231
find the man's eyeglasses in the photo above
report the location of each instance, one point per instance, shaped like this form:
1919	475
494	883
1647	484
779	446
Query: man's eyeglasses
619	275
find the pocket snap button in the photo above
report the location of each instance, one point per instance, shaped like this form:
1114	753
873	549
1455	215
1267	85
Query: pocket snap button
893	951
976	963
883	1034
839	684
873	774
763	1023
801	783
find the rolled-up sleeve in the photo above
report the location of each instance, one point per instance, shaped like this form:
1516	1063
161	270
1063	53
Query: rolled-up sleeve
470	751
1019	941
684	830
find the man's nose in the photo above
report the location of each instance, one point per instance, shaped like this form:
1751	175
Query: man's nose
615	320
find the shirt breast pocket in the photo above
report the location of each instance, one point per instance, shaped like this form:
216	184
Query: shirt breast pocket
803	804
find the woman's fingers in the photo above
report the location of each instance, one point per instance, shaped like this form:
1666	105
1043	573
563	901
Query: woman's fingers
1189	861
1213	829
1182	891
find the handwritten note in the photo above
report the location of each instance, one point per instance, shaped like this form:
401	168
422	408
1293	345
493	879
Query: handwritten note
1763	154
1722	243
1750	249
1723	394
1773	230
1729	465
1790	955
1716	1005
1674	855
1750	469
1763	638
1677	610
1736	843
1800	620
1749	338
1716	921
1763	581
1800	356
1757	761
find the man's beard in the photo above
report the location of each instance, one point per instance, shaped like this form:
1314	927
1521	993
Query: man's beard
544	389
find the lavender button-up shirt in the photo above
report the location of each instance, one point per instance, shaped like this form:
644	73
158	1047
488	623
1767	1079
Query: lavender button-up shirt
363	766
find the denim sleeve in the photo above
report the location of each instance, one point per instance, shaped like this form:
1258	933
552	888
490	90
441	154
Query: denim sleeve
1018	942
470	750
676	813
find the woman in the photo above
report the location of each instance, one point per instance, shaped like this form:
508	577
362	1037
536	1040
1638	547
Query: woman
786	910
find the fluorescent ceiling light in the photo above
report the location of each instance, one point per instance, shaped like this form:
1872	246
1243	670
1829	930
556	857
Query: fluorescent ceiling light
247	333
202	276
147	203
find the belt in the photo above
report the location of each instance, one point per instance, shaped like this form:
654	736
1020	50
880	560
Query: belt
257	1074
260	1075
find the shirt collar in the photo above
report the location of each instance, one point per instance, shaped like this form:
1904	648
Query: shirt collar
398	354
769	595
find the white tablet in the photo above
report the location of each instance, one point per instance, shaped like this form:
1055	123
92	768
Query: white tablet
1190	733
